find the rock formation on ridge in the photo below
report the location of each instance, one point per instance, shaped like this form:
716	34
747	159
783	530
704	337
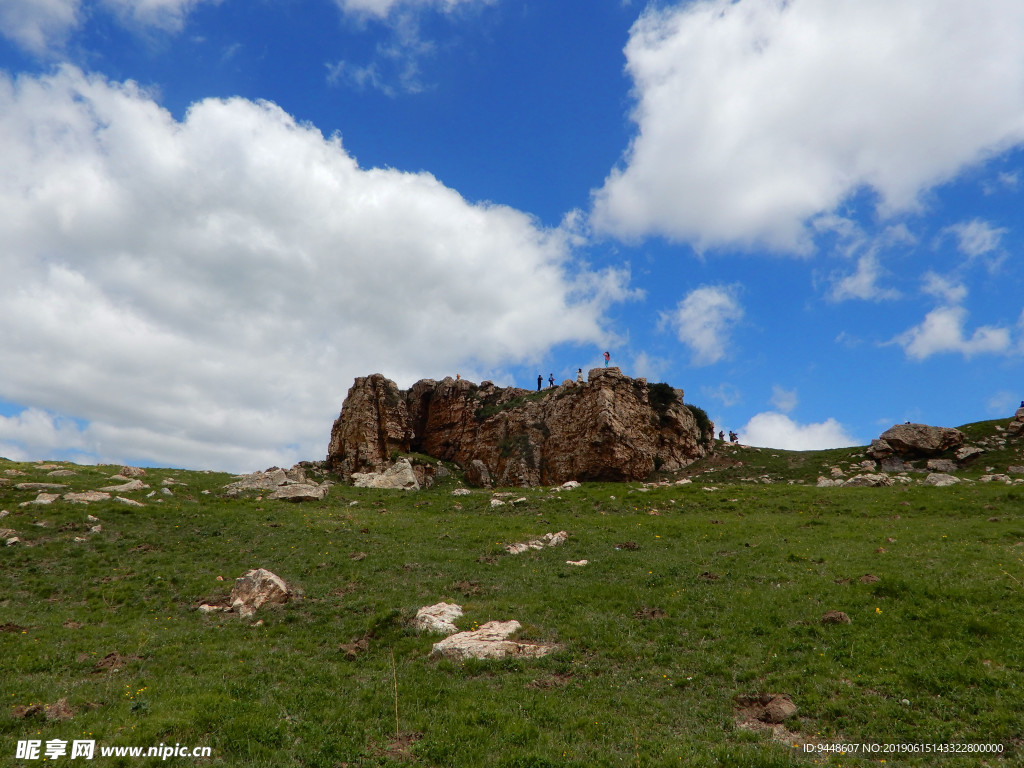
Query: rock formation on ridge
612	427
915	441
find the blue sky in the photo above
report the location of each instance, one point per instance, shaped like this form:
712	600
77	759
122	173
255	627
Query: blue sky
218	213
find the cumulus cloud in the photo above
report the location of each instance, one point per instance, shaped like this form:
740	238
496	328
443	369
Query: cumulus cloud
39	25
776	430
977	237
942	331
704	320
753	116
203	292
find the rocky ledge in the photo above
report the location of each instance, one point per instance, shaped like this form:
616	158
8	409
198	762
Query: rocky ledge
611	427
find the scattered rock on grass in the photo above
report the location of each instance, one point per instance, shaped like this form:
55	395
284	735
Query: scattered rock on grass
489	642
86	497
438	618
547	540
255	589
941	480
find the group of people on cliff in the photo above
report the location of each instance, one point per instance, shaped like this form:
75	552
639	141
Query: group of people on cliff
579	374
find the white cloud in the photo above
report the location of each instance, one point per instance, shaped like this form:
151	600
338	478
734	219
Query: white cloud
776	430
383	8
784	399
704	320
39	25
863	283
43	26
977	237
396	65
753	116
947	290
164	14
203	292
942	330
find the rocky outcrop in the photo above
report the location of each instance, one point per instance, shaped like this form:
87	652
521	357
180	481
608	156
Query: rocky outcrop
1016	426
908	441
400	476
292	485
611	427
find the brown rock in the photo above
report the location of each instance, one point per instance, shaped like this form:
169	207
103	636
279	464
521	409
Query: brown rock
778	709
918	440
257	588
611	428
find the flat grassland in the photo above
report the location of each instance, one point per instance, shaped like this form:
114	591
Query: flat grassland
695	597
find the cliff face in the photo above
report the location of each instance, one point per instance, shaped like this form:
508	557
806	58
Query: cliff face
610	428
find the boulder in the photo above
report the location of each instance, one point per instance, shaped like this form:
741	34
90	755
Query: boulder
940	480
489	642
42	498
399	476
1015	469
132	471
477	474
257	481
257	588
132	485
300	492
868	481
968	452
611	428
1016	426
40	487
86	497
918	440
438	618
942	465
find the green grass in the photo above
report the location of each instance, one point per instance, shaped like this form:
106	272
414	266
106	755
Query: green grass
721	598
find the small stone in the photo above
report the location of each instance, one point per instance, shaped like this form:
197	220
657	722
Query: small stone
779	709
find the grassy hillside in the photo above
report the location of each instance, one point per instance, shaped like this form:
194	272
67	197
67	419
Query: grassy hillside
717	595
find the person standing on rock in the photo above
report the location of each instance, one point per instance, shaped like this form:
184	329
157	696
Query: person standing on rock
551	379
540	380
607	358
579	375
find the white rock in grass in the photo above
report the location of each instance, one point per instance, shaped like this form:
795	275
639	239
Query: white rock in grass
940	479
489	642
438	618
132	485
86	497
129	502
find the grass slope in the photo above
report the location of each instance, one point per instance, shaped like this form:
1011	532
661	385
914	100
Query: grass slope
720	598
